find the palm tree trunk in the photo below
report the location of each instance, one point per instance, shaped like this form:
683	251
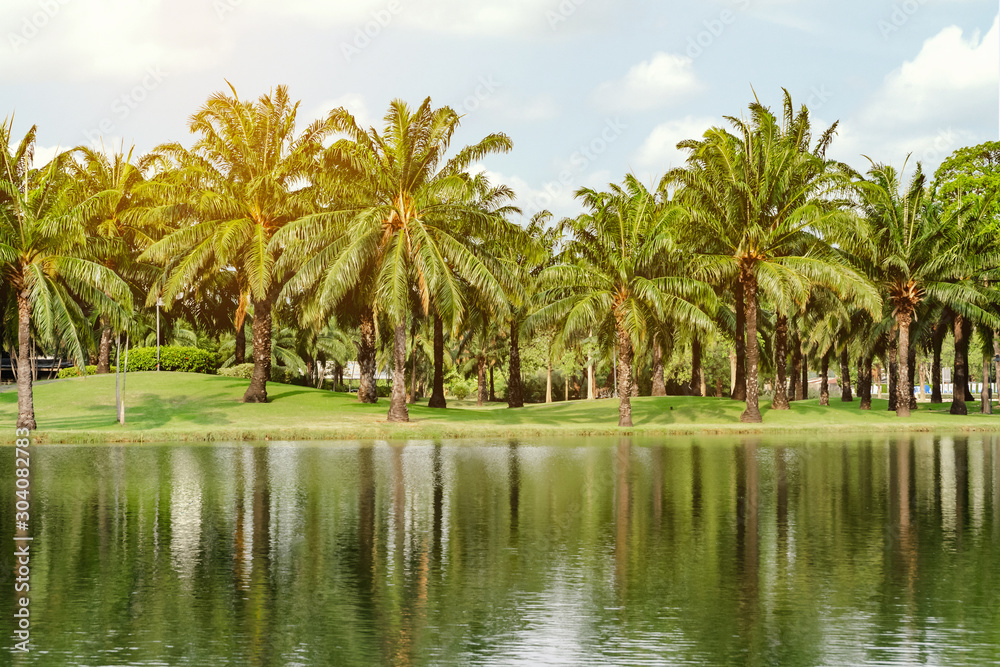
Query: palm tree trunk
824	379
967	336
985	406
937	342
481	378
437	393
804	381
398	412
961	344
996	356
566	381
624	377
740	387
240	354
25	397
845	376
413	373
865	383
911	361
104	352
780	401
893	380
257	391
367	387
793	380
591	383
659	386
697	369
548	383
752	413
493	386
515	388
904	388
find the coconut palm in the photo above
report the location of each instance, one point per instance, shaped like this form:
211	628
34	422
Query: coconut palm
42	245
247	176
621	276
754	196
409	222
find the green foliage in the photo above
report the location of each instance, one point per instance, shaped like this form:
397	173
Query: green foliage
74	372
241	371
182	359
457	386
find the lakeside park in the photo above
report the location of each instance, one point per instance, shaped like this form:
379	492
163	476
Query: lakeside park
297	383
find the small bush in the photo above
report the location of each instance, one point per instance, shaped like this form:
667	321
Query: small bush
244	371
383	391
182	359
74	372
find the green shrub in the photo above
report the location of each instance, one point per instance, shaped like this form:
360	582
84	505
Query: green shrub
74	372
183	359
459	388
383	391
244	371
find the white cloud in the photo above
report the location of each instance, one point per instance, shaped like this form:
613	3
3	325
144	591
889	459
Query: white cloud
663	80
120	40
353	102
556	196
659	151
941	100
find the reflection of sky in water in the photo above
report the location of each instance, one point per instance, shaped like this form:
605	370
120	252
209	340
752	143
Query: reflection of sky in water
185	514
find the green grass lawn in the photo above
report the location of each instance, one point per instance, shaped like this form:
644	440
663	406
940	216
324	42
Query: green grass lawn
186	406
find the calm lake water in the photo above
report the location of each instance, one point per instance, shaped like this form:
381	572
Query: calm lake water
674	551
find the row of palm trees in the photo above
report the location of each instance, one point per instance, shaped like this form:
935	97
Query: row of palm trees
760	240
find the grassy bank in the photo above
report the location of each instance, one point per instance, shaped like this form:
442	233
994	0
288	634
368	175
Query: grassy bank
165	407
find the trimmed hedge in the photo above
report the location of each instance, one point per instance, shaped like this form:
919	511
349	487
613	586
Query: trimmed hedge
183	359
245	371
74	372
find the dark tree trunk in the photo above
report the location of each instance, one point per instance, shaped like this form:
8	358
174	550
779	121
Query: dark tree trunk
960	378
624	378
697	372
967	336
893	379
985	405
845	376
493	388
796	374
659	387
824	379
398	412
803	387
740	390
780	401
481	378
367	386
240	354
437	393
865	383
911	361
25	398
904	388
257	391
937	342
515	388
104	352
752	413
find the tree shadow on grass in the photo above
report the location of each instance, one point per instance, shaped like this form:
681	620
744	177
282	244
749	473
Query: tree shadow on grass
148	411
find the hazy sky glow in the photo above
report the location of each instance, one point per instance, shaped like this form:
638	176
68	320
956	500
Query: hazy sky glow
588	89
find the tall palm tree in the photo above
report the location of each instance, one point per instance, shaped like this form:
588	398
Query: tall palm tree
410	221
42	245
112	186
247	176
621	275
755	197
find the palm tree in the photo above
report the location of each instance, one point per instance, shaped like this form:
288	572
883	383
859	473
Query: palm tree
621	275
410	222
913	254
112	186
42	242
754	199
247	176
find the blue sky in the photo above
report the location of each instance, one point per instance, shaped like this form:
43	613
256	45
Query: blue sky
588	89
